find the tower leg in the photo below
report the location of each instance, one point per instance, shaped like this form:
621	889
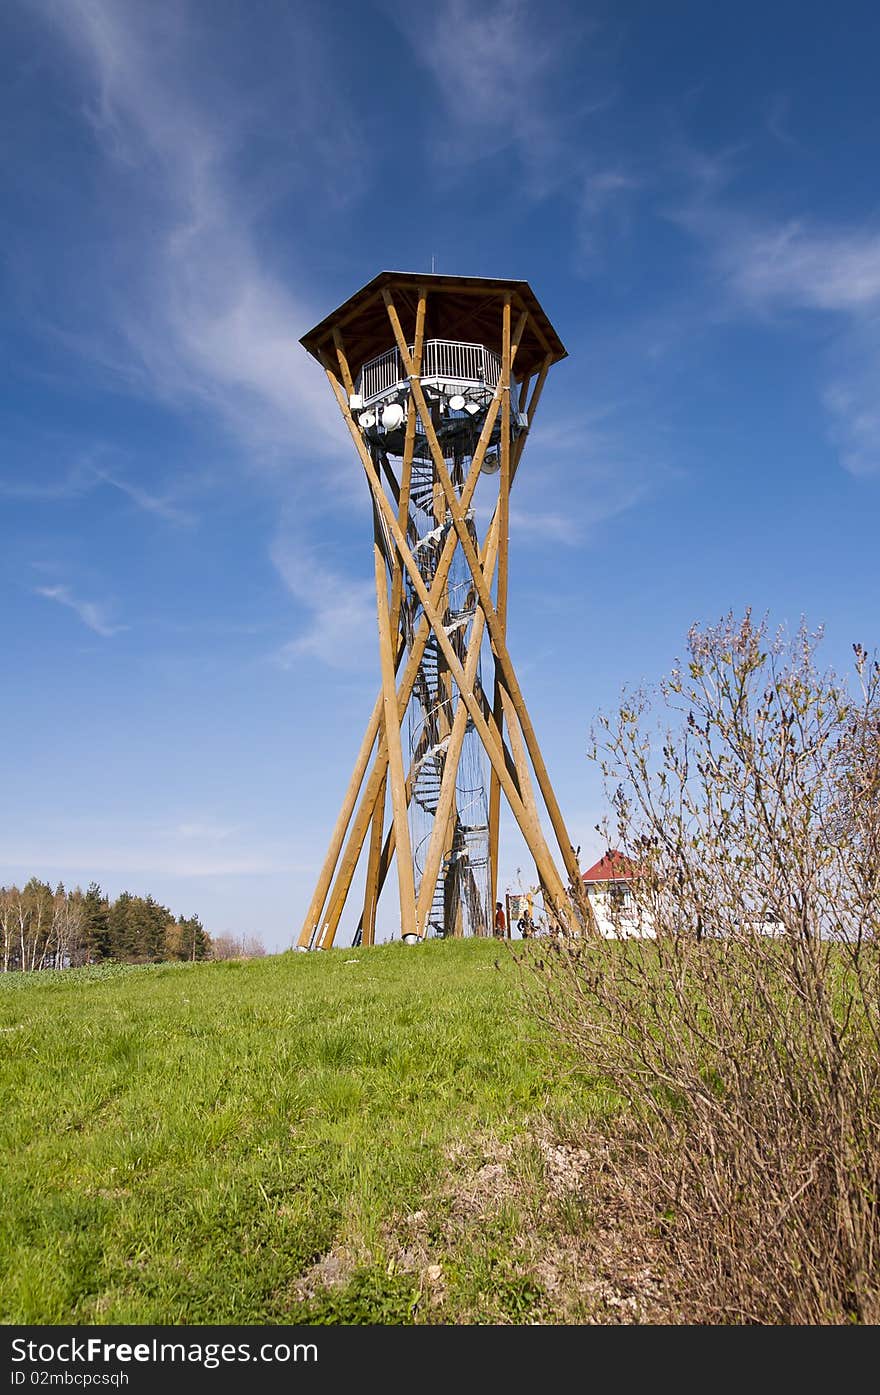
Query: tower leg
501	588
372	889
395	754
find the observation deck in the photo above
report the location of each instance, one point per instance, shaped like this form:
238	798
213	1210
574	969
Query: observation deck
449	365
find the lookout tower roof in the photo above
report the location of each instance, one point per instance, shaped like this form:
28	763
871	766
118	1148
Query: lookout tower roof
461	308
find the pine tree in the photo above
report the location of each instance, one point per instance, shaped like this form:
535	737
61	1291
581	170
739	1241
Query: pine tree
194	939
97	939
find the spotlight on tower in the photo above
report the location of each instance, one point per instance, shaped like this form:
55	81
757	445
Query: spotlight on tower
392	416
491	463
472	407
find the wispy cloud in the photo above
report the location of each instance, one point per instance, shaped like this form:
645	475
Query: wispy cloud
341	610
193	310
778	112
592	461
72	483
84	476
501	70
94	615
533	526
605	206
852	401
161	505
797	267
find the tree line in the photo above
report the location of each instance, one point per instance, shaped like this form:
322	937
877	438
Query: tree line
45	929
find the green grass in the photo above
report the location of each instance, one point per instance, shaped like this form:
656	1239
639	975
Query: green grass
182	1143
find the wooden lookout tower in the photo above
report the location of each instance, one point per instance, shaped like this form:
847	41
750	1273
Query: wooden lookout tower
438	379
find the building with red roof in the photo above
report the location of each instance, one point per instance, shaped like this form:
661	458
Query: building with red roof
612	866
608	888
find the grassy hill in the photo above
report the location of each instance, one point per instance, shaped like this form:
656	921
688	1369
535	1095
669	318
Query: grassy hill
305	1138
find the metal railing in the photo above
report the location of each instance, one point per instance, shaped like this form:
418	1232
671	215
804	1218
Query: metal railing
443	360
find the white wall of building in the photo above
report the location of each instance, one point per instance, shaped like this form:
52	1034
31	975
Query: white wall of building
615	911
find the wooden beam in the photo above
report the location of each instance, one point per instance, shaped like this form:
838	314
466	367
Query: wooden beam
501	587
532	409
518	752
406	464
371	889
392	741
342	361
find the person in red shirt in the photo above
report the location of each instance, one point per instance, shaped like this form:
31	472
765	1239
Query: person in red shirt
500	921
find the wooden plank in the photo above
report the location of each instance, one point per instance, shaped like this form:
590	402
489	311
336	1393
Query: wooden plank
371	886
501	587
532	409
397	778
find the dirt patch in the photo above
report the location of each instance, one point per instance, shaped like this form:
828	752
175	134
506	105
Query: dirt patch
591	1257
332	1270
534	1230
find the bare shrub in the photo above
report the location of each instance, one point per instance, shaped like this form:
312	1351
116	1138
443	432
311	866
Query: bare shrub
743	1038
237	947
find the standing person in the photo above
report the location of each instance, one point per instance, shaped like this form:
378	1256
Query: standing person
500	921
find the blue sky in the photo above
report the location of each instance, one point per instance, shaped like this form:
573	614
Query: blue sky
187	596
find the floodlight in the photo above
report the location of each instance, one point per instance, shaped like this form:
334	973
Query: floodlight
472	407
366	420
522	419
457	402
392	416
491	463
355	401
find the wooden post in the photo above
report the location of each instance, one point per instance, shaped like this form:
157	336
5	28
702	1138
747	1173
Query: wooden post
371	890
501	588
395	753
